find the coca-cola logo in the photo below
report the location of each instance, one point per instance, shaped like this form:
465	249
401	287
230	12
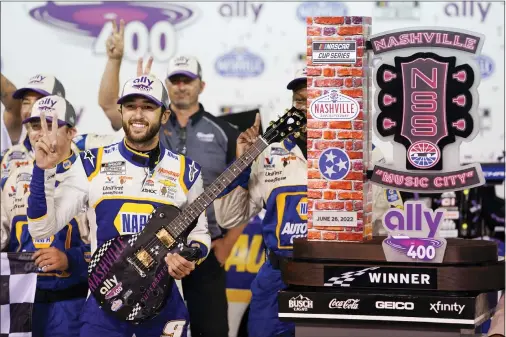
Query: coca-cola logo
351	304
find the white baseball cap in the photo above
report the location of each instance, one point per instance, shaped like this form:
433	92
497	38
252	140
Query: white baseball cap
43	84
184	65
50	105
300	76
148	87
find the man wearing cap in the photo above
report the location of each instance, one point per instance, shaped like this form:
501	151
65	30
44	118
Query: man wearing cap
253	189
123	183
39	86
62	258
211	142
248	194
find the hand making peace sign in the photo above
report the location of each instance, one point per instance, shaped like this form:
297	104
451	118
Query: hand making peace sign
115	42
46	149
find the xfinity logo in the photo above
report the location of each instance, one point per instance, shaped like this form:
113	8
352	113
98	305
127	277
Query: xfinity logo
395	305
300	303
455	307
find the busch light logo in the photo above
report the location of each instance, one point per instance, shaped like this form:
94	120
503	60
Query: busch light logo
143	84
239	63
486	64
321	8
300	303
149	28
37	79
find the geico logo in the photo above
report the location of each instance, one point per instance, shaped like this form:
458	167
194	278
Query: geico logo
395	305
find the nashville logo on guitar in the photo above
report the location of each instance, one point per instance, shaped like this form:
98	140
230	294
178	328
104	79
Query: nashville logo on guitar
128	275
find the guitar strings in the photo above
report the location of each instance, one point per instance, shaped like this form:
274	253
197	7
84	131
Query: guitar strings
180	226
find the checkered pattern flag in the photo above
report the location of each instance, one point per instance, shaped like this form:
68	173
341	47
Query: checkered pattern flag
17	294
346	278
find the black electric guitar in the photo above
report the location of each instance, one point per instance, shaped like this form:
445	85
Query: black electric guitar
128	275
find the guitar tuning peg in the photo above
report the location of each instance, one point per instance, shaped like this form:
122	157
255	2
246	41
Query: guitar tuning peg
282	134
296	134
290	128
298	123
271	122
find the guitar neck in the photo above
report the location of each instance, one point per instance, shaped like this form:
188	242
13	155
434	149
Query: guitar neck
193	211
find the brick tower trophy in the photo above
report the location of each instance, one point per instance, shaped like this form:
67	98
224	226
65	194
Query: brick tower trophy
339	146
342	281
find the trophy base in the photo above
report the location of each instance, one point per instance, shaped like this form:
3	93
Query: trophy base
468	266
350	289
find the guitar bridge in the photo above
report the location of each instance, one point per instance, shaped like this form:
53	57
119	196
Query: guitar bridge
137	268
165	238
144	257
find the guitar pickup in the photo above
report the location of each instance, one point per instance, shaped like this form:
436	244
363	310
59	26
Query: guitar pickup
165	238
144	258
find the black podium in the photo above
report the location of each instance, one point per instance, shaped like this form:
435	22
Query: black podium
363	295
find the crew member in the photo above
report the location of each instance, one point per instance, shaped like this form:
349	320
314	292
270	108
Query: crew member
122	183
62	258
257	187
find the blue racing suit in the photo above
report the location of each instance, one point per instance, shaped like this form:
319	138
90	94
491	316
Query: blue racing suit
276	181
60	296
122	188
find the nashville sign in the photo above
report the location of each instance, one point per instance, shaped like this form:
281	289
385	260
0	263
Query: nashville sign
426	105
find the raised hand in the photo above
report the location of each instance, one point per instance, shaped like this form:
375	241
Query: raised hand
147	69
46	147
248	137
114	44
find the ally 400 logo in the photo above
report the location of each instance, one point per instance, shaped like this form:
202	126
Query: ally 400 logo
414	234
150	27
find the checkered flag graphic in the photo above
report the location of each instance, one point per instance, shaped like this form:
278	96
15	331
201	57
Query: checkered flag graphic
346	278
17	294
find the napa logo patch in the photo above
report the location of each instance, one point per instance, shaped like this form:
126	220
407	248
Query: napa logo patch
132	218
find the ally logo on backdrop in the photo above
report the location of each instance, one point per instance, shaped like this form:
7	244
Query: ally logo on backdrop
149	27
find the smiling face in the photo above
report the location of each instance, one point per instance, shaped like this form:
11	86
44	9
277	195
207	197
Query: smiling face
142	119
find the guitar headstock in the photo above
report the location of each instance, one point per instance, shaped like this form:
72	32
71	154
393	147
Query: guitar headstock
292	122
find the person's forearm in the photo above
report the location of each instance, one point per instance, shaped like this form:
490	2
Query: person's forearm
109	91
12	113
233	234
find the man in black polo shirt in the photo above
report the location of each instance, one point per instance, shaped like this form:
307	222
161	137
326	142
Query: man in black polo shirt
211	142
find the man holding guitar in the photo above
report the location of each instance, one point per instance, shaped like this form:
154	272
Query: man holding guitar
123	184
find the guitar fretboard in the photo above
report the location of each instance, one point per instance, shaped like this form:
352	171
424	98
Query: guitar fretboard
193	211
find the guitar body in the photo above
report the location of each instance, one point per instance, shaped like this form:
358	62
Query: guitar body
128	283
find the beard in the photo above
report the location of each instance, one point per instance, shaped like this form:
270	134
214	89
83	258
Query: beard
147	137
